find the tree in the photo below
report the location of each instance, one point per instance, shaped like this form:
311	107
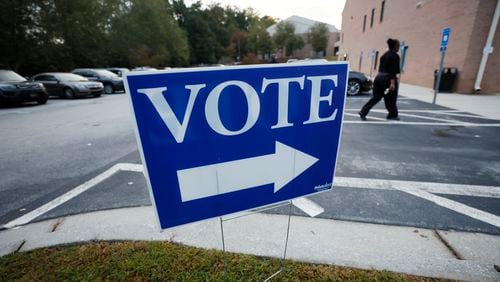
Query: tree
237	19
147	34
216	31
267	21
54	34
58	35
238	45
318	37
294	43
286	39
14	40
204	45
76	31
259	40
216	17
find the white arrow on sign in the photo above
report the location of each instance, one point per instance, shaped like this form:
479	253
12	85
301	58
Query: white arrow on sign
279	168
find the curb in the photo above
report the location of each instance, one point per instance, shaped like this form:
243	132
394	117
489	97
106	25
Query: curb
408	250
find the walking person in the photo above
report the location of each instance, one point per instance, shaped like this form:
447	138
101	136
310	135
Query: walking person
385	84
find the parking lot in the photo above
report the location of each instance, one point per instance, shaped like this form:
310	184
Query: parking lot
437	168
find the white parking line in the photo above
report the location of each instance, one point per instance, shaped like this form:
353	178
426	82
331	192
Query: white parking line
466	115
432	118
72	193
405	113
409	111
439	121
419	189
14	112
422	123
308	206
424	190
455	206
369	97
131	167
431	187
371	117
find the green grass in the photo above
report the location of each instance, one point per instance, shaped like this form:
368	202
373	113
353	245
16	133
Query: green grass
163	261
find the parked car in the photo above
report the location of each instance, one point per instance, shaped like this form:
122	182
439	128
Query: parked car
144	69
111	81
15	89
306	61
118	71
358	82
68	85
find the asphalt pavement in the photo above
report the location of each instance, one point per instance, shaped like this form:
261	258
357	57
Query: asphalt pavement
76	140
47	150
50	150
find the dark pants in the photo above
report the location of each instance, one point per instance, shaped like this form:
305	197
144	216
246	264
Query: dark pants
381	83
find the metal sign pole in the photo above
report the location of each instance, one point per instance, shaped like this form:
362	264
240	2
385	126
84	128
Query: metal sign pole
283	258
445	38
287	234
440	71
223	248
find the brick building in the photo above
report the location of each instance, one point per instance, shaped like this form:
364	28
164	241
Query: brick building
367	24
302	26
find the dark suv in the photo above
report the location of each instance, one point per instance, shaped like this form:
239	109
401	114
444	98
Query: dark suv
15	89
112	83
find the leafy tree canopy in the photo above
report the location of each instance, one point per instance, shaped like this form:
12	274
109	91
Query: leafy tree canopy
59	35
286	39
318	37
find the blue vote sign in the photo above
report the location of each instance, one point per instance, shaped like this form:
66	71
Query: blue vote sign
215	141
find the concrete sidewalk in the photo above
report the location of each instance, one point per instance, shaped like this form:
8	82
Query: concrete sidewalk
442	254
487	105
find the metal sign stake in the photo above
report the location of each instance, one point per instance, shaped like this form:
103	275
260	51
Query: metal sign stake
445	38
283	258
440	71
287	234
223	248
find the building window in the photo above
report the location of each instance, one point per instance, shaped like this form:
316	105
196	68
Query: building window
382	8
376	61
373	15
404	53
342	37
364	23
360	61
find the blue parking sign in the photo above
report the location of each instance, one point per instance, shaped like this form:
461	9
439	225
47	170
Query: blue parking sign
445	37
220	140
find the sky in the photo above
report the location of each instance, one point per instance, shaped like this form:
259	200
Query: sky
327	11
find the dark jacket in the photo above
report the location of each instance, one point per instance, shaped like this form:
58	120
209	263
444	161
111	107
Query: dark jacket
389	64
